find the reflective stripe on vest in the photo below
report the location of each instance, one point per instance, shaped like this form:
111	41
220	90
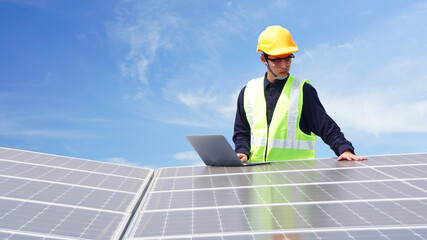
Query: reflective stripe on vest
284	138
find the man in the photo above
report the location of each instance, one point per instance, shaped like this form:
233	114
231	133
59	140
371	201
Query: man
278	116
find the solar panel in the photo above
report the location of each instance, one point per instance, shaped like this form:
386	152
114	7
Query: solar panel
45	196
384	197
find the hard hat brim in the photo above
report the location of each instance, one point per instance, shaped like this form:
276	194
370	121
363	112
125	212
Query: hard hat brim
280	51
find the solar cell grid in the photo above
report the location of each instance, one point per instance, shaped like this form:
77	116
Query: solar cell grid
325	199
385	160
284	194
419	184
85	178
287	217
46	196
38	160
418	171
268	178
279	166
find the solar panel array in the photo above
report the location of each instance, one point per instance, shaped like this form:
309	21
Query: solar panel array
45	196
53	197
384	197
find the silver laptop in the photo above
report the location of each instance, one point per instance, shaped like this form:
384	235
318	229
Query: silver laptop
215	150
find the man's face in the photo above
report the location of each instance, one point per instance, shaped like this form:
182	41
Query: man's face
280	64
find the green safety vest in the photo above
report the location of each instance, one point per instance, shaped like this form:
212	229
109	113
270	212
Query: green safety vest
282	139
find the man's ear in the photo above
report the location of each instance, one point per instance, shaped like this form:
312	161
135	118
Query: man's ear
263	59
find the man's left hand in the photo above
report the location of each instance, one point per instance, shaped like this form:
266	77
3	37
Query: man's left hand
349	156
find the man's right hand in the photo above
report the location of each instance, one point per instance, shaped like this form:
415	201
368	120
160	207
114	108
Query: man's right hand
242	157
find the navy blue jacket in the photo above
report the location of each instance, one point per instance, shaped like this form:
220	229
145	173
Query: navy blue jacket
313	119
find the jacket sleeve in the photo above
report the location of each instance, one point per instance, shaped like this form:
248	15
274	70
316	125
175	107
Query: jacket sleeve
315	119
242	130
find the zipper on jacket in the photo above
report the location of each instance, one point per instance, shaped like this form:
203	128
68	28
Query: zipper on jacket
266	143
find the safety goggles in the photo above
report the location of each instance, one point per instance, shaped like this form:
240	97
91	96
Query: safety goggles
277	61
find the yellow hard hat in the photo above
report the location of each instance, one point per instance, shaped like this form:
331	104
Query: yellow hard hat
276	40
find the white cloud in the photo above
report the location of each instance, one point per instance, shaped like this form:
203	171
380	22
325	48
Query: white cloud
379	113
222	104
281	3
119	160
188	155
137	94
376	82
188	158
205	109
346	45
185	122
196	99
228	109
171	52
146	28
124	161
19	125
51	133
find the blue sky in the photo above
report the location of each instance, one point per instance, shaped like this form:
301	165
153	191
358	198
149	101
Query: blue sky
125	81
